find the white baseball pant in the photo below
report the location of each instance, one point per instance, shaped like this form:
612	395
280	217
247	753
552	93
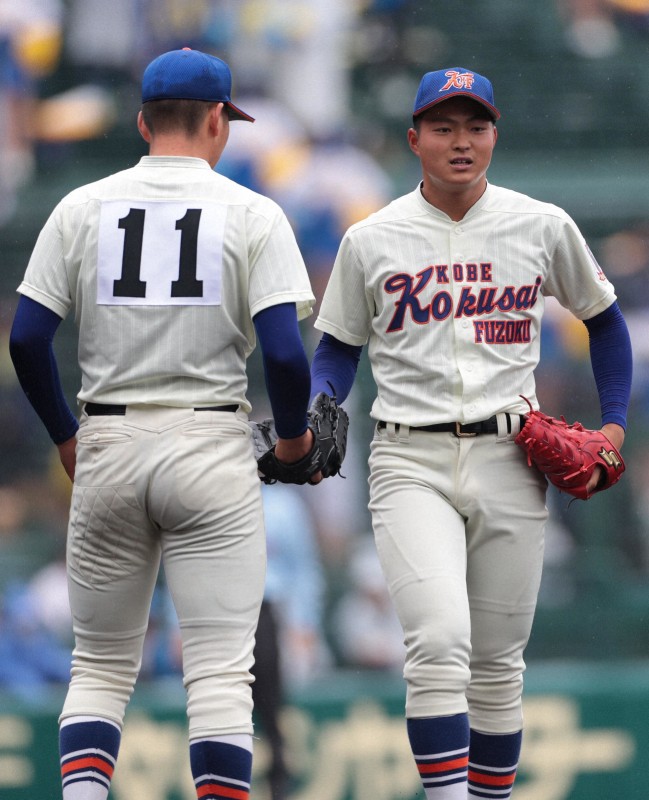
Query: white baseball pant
459	527
180	486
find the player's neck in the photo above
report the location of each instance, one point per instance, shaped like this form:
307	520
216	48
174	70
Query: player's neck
453	204
179	146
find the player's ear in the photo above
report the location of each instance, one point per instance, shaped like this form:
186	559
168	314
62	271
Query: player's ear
145	133
413	140
217	119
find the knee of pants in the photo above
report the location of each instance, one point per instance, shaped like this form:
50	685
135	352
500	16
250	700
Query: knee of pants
497	667
494	698
99	692
220	705
437	670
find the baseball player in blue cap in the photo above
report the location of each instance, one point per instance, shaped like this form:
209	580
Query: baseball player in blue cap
446	285
172	271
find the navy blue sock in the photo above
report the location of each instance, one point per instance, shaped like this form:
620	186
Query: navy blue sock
220	770
493	760
440	746
88	751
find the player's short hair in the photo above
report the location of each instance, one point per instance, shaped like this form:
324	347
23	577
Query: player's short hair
175	116
481	113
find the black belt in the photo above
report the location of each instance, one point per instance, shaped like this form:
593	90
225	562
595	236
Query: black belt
463	428
112	410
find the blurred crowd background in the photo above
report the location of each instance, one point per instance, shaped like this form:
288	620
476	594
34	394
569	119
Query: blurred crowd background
331	83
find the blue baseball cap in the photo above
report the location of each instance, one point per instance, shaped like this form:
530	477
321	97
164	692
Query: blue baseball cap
190	75
435	87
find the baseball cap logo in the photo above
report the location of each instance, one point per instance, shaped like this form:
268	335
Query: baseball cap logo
458	80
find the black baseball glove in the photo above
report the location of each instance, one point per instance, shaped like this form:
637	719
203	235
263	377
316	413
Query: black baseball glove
270	468
329	423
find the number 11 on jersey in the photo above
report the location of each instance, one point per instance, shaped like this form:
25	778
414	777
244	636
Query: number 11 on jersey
157	253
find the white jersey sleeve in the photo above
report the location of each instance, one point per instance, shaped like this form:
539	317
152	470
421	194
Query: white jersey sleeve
576	280
347	307
50	287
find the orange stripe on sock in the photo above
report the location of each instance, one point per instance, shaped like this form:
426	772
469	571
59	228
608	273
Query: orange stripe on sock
83	763
492	780
443	766
221	791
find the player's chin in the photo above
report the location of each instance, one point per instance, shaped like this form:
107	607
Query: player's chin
463	173
464	179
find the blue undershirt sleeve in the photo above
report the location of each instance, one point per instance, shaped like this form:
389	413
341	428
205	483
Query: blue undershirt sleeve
334	367
30	346
612	362
286	368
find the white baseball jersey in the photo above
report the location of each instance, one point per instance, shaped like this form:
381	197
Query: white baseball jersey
452	310
165	264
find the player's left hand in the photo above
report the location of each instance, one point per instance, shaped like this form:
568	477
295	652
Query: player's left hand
68	455
309	458
295	460
289	451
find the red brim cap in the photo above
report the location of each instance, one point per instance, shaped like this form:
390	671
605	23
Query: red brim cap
237	114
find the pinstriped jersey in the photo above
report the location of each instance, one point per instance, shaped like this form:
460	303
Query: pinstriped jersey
452	310
165	264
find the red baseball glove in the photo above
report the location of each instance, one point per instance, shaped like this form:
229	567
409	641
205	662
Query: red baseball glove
568	454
